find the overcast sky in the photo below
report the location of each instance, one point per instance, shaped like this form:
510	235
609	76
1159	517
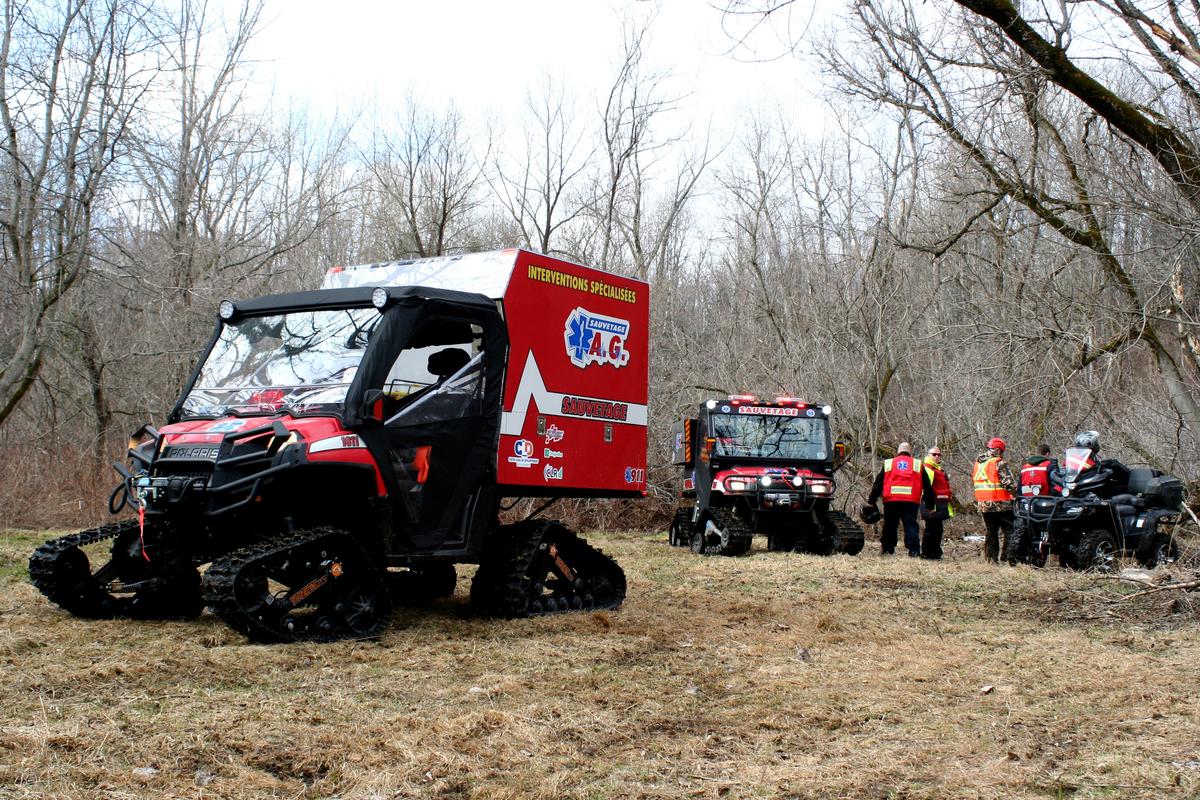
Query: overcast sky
486	55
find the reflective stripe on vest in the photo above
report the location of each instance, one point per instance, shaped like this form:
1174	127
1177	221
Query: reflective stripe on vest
1035	479
901	480
988	488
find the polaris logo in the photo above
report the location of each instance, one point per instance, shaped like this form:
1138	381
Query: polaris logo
596	339
192	452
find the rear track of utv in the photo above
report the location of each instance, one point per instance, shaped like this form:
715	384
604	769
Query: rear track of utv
539	567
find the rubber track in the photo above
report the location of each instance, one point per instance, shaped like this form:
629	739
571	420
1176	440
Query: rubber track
502	587
42	569
219	580
741	533
850	535
102	605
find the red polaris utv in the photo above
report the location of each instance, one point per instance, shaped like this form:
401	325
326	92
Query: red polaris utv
334	449
750	467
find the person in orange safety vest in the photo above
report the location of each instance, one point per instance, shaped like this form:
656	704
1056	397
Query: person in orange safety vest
903	486
994	493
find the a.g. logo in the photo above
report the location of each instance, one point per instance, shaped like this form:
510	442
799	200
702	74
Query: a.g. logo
523	450
596	339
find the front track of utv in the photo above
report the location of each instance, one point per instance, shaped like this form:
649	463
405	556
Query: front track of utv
142	578
316	585
539	567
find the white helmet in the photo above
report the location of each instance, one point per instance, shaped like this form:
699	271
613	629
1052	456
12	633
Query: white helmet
1088	439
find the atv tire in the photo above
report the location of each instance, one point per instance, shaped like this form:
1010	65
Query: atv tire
1097	551
1164	550
1018	549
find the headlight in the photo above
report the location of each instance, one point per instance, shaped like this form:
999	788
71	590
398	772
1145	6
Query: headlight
1075	510
766	480
711	404
379	297
819	488
226	310
797	481
737	486
827	410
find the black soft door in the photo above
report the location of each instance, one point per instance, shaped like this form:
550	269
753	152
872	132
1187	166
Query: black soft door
438	363
433	442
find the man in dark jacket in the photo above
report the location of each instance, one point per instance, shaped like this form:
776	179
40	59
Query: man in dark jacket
903	485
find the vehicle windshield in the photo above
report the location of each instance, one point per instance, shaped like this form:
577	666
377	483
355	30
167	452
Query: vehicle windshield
1076	461
754	436
303	361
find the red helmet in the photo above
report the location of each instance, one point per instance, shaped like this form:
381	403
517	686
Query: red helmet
996	443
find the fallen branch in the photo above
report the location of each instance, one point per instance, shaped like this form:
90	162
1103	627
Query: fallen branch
1185	586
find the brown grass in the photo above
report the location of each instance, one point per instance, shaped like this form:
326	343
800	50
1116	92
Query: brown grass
765	676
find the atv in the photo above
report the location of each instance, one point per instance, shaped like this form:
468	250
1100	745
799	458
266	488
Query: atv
753	467
337	450
1094	513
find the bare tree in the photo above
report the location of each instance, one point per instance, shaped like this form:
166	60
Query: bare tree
540	187
424	183
69	83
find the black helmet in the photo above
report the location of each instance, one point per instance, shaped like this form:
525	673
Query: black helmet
1088	439
869	514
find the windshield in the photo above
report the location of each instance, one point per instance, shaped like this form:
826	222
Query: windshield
1076	461
303	361
753	436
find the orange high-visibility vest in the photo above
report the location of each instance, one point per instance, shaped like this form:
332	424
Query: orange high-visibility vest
987	482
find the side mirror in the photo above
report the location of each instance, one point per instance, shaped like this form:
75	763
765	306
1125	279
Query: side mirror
839	453
373	405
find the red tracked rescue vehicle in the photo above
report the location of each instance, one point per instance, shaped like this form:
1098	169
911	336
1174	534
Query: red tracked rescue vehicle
755	467
337	449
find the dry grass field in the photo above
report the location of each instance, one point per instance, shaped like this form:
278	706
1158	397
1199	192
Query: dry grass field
764	676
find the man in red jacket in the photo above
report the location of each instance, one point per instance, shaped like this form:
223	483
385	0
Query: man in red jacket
903	485
1035	473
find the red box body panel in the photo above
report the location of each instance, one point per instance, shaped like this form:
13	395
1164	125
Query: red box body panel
575	392
578	365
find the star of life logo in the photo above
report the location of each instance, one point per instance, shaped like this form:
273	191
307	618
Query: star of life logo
596	339
523	449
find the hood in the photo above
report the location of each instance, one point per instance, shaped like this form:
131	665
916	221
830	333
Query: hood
1035	460
213	431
